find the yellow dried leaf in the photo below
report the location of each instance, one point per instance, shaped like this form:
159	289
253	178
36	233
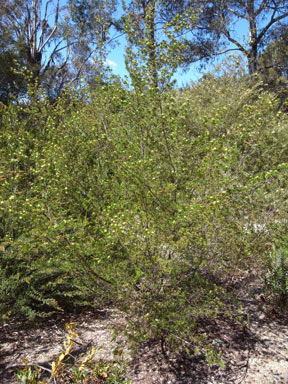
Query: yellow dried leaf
53	366
92	352
61	357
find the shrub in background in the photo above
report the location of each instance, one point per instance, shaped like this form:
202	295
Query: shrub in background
276	277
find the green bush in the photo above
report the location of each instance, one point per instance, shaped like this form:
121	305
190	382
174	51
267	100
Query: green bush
141	199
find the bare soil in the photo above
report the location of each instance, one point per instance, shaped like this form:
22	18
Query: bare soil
255	351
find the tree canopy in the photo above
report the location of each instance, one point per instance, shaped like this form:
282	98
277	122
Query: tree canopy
62	43
217	22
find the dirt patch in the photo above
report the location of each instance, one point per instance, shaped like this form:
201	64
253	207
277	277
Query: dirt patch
43	344
255	352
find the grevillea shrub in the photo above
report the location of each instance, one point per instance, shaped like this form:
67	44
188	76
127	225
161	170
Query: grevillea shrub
147	200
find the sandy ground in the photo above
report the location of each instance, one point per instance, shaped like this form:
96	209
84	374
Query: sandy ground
253	353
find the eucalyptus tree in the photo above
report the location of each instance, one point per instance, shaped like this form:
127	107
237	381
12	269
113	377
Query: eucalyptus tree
53	42
260	16
221	19
33	29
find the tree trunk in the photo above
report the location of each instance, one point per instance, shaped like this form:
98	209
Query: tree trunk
253	42
152	65
253	60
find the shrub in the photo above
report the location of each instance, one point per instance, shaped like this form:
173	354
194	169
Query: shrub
276	277
145	200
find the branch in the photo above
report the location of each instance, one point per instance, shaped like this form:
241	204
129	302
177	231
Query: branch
34	26
53	30
29	32
40	366
261	8
46	10
91	42
48	38
115	37
56	14
51	56
231	39
95	275
62	65
271	22
44	24
236	13
226	51
41	36
216	54
240	47
76	78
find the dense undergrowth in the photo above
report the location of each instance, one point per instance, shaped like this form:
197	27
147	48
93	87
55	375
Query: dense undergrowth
147	201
